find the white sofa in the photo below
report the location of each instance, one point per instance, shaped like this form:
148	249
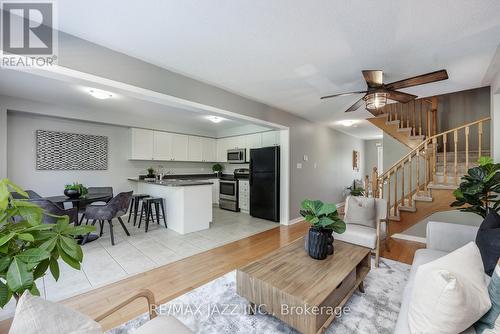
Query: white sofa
442	238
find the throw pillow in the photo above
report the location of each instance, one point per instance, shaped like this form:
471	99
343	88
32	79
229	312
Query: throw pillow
490	322
360	211
449	294
488	241
35	315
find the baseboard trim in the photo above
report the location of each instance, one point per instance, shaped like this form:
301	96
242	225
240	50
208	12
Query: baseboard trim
295	220
409	238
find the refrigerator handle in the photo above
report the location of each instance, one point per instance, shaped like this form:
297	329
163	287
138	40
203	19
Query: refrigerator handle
250	173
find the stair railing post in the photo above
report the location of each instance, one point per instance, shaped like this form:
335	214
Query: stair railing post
420	119
480	138
410	174
426	169
395	191
467	148
434	114
389	194
414	114
402	183
455	144
445	158
434	158
417	155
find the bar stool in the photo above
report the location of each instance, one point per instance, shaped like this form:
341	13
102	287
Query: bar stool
134	205
147	210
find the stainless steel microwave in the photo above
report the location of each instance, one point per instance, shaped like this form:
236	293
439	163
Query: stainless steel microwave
236	156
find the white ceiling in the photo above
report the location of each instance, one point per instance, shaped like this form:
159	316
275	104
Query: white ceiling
288	53
71	94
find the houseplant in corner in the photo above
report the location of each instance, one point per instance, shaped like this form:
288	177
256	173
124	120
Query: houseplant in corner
480	188
75	190
29	248
324	220
217	168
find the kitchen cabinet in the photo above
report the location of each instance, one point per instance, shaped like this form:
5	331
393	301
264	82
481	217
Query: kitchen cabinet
270	138
215	190
195	148
222	147
252	141
179	147
162	148
209	149
244	195
142	143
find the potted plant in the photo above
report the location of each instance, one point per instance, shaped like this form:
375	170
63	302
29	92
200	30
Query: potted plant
151	173
217	168
480	188
75	190
29	248
356	189
324	220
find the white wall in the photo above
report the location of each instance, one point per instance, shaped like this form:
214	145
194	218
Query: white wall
21	156
371	155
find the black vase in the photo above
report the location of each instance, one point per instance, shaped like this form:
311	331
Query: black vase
317	243
330	242
72	193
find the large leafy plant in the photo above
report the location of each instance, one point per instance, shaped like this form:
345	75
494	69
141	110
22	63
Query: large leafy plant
78	187
322	215
29	248
480	188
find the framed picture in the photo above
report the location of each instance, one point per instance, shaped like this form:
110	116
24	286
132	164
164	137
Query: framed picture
355	160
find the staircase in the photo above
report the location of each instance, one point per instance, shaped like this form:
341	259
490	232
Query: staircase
422	182
409	123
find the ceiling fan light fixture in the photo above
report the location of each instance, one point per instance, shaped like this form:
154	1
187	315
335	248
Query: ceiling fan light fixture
376	100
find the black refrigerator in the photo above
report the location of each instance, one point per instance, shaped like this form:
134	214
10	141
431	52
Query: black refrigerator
264	180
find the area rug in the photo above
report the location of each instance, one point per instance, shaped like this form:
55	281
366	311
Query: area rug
215	308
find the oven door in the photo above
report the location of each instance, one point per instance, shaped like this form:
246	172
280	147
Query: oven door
236	156
228	190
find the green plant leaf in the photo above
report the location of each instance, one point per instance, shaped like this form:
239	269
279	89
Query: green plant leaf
4	195
41	227
49	245
5	294
68	259
33	255
18	276
54	268
29	211
6	238
4	263
81	230
327	209
34	290
483	161
41	269
26	237
62	223
71	248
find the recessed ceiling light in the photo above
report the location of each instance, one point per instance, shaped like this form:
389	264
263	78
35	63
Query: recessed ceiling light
100	94
215	119
348	122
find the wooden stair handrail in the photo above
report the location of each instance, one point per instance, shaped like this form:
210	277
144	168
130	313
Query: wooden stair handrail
426	141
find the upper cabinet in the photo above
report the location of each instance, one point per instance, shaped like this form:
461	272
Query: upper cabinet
271	138
166	146
142	144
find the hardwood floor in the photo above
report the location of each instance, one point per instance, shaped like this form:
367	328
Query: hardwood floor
174	279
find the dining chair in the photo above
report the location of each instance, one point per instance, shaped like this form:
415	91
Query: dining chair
105	191
50	209
31	195
115	208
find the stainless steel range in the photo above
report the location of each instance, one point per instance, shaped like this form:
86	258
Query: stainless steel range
228	190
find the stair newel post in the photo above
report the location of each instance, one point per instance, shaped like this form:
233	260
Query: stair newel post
445	175
402	183
434	114
455	144
396	190
434	158
417	166
389	193
410	175
426	169
396	113
480	137
467	148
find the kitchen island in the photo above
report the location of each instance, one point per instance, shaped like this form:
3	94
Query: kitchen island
188	203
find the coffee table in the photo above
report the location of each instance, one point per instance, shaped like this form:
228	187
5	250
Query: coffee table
287	282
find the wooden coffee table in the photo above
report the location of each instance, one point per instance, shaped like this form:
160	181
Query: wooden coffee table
287	282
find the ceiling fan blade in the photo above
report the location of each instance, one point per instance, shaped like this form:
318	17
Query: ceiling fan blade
418	80
374	78
342	94
400	96
356	105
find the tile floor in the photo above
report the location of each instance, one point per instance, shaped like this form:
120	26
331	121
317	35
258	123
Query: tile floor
104	264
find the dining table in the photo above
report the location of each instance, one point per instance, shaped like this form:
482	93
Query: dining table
79	203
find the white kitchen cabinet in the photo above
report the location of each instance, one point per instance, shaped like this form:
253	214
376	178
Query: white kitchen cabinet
195	148
179	147
209	149
271	138
215	190
252	141
222	147
244	195
162	146
142	143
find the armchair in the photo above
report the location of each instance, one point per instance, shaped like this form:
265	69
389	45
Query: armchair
54	209
366	220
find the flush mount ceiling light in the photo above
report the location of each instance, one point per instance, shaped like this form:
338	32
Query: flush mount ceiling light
100	94
215	119
347	122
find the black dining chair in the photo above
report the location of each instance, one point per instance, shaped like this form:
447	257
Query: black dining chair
115	208
31	195
50	209
106	192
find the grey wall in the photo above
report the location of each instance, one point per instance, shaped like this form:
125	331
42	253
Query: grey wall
3	142
330	150
21	156
371	158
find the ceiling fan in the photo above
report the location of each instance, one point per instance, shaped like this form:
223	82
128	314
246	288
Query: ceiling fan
377	92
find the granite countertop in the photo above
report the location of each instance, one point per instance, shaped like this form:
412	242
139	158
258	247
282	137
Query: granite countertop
174	182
